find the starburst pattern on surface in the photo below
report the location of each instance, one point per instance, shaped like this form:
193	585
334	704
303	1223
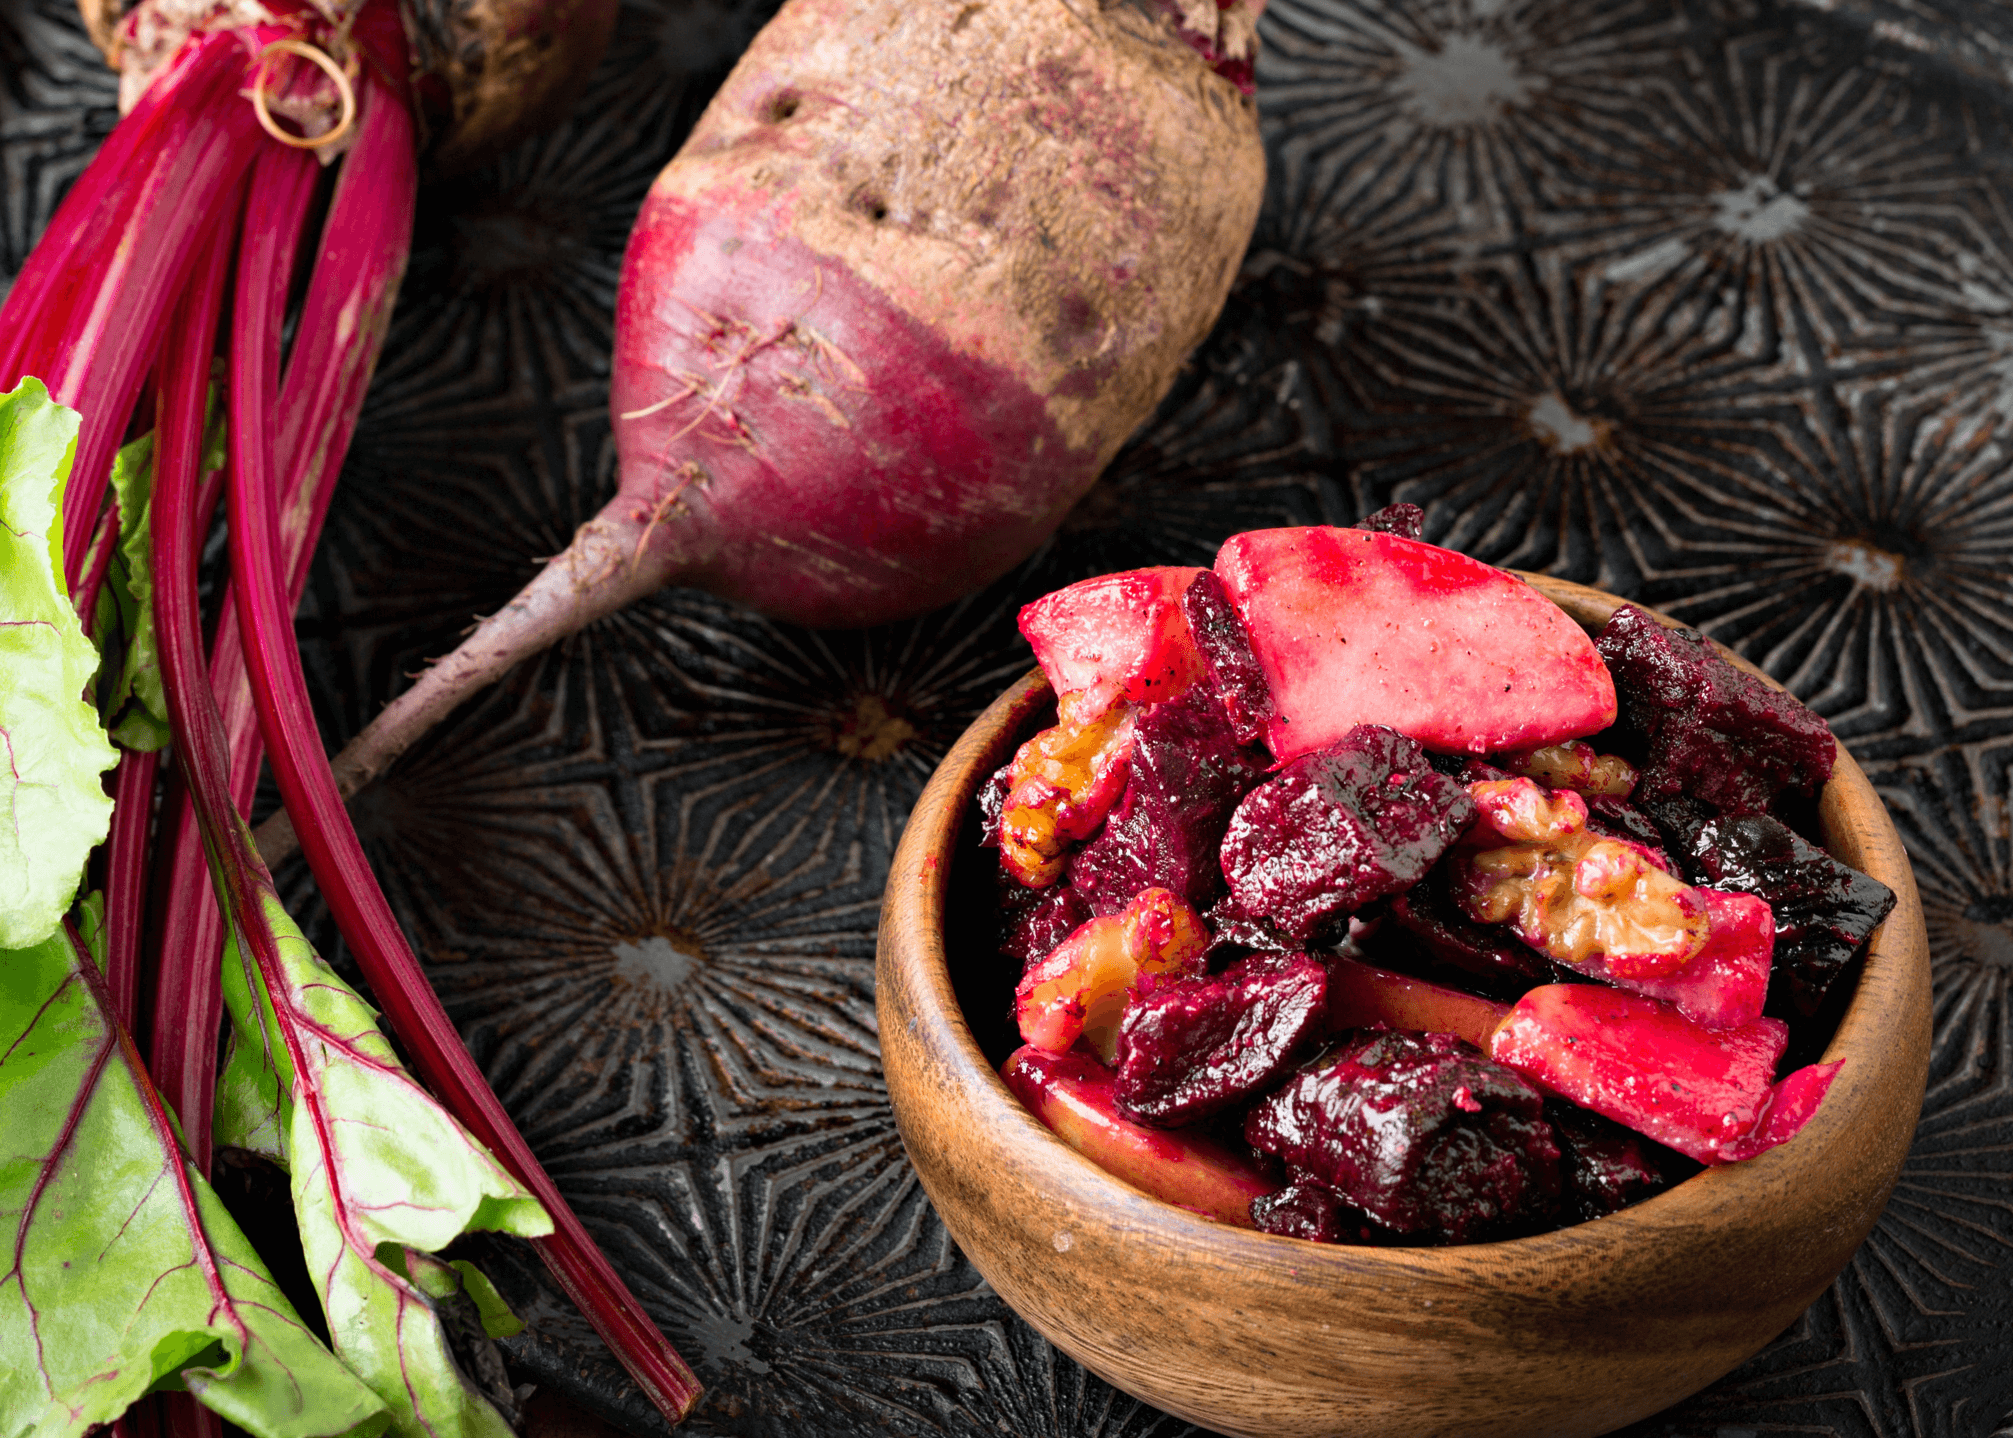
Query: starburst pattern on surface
1706	301
57	102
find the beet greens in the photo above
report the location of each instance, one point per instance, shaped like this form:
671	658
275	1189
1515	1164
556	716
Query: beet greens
190	224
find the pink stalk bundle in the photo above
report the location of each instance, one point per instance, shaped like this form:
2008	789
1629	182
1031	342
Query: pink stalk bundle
215	161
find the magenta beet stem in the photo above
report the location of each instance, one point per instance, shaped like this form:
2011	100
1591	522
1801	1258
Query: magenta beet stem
97	563
126	865
351	890
340	332
113	334
345	316
189	1010
68	260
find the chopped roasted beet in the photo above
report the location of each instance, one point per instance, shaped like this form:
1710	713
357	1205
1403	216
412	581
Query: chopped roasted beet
1193	1048
1335	829
1485	957
1422	1132
1708	729
1619	819
1187	774
1036	920
1307	1208
1603	1167
1824	910
1227	658
1407	521
1234	930
1478	771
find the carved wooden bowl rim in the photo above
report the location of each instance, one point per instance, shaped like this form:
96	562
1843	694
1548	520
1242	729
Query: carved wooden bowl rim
1572	1332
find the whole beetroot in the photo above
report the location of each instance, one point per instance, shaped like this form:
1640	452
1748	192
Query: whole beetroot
917	274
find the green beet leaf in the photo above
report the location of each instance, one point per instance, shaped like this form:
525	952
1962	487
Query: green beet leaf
128	1273
497	1319
377	1167
135	709
53	809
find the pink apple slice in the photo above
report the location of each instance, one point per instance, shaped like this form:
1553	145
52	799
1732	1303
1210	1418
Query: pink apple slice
1725	983
1704	1092
1118	636
1360	995
1071	1094
1353	627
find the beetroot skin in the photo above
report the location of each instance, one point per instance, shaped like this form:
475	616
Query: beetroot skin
875	337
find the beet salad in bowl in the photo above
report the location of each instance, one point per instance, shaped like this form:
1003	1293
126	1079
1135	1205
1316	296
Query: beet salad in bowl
1354	892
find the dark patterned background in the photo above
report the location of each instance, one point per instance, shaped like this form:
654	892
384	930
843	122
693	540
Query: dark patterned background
1707	303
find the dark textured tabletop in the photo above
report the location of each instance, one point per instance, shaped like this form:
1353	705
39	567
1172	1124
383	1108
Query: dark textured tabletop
1709	304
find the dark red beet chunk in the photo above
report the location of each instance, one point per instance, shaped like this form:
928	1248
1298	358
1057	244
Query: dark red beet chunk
992	803
1188	772
1034	921
1603	1167
1194	1048
1307	1208
1335	829
1420	1131
1231	928
1486	958
1227	656
1407	521
1619	819
1709	730
1479	771
1824	910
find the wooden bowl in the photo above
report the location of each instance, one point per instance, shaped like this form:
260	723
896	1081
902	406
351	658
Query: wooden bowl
1570	1333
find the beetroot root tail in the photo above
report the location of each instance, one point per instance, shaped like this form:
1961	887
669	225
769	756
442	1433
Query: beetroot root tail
607	566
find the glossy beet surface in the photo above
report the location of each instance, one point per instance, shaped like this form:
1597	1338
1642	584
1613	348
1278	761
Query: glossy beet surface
1407	521
1425	931
1225	646
1034	921
1307	1208
1187	774
1823	910
1334	830
1190	1050
1709	731
1422	1132
1603	1167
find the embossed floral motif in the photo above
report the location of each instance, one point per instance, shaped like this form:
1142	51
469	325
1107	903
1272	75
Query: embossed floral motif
1709	302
